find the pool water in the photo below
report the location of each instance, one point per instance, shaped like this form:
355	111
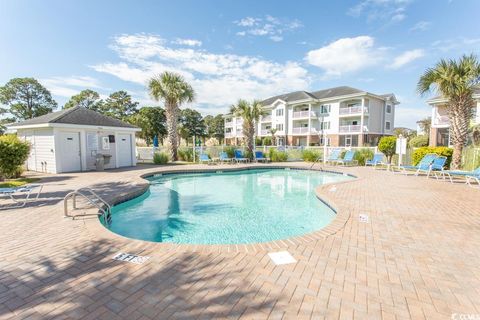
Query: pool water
226	207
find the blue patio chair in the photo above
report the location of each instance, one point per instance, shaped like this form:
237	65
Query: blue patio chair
347	158
377	160
468	175
20	195
239	157
438	164
334	155
223	157
423	166
204	158
259	157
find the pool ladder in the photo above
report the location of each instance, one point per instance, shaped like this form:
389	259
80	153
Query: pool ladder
92	198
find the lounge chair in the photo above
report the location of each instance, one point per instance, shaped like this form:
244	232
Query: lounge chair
423	166
438	165
259	157
223	157
468	175
204	158
377	160
347	158
239	157
20	195
333	157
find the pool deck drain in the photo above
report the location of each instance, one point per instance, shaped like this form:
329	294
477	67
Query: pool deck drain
132	258
281	257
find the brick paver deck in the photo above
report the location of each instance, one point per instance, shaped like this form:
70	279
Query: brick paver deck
417	257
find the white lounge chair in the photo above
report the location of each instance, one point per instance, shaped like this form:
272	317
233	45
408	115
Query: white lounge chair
20	195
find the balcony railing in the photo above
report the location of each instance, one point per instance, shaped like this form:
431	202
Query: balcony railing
229	134
304	114
303	130
266	118
265	132
442	120
350	128
353	110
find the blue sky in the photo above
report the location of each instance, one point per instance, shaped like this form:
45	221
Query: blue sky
236	49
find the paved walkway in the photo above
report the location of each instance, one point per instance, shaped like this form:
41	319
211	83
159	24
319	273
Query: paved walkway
417	257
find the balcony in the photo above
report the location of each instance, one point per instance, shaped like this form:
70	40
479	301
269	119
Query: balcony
265	132
350	128
353	110
266	118
229	124
303	130
304	114
229	134
441	121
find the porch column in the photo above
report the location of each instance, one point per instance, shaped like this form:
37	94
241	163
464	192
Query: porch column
360	138
309	123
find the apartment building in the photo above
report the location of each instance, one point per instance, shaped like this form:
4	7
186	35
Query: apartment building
342	116
440	128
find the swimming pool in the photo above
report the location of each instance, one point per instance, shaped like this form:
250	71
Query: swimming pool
236	207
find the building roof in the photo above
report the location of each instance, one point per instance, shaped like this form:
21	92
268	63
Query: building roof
476	92
77	116
320	94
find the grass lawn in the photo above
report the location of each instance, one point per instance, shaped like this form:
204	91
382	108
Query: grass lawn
17	182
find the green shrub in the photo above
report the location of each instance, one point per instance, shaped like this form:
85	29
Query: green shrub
13	154
160	158
387	145
185	154
258	141
363	155
267	141
310	155
277	156
419	153
419	141
230	150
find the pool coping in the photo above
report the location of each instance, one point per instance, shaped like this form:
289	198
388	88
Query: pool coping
139	186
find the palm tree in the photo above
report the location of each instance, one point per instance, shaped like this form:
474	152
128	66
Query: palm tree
272	132
454	80
250	113
173	90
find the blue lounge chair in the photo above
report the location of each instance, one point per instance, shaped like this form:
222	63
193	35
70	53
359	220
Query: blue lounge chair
333	157
423	166
259	157
239	157
347	158
377	160
20	195
438	164
223	157
204	158
468	175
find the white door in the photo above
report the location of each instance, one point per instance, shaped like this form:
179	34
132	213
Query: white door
70	151
124	146
31	161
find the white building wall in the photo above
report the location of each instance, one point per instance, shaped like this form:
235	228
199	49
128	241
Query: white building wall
43	144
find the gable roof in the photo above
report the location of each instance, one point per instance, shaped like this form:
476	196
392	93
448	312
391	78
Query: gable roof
476	93
77	116
336	92
288	97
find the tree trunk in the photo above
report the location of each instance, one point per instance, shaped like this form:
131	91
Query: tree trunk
459	112
249	132
171	113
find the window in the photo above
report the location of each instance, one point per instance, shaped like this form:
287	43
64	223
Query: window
279	112
348	141
325	108
279	127
322	142
304	125
387	125
325	125
389	108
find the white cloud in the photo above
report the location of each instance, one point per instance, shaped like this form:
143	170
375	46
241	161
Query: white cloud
421	26
188	42
346	55
69	86
383	10
218	79
269	26
406	58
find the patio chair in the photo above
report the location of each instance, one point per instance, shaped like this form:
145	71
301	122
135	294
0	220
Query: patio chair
423	166
204	158
438	164
347	158
377	160
473	178
239	157
333	157
20	195
223	157
259	157
451	174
